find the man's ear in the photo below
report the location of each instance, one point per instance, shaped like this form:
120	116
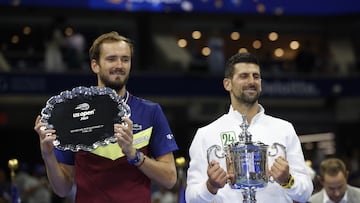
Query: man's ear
227	84
347	173
94	66
260	85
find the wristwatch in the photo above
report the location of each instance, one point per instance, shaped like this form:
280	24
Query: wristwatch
137	158
290	183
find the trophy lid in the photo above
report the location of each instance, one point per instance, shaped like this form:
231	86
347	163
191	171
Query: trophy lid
245	135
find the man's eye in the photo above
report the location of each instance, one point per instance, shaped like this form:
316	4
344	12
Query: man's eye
125	59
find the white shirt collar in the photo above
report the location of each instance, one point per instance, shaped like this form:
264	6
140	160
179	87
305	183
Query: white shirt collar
238	115
326	198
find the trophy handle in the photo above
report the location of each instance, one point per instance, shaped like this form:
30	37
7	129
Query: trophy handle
274	152
215	149
277	150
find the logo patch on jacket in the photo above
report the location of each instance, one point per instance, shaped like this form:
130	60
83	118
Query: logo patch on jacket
228	138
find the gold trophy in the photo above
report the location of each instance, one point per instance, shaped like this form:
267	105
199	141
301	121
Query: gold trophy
13	165
181	184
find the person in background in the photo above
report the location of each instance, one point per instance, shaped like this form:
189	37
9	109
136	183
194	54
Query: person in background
216	59
162	195
74	49
333	176
4	64
117	172
207	182
22	176
36	187
53	55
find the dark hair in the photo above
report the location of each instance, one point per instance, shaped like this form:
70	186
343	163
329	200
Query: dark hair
239	58
332	166
94	51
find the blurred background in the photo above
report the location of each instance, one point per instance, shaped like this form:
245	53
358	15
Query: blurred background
309	51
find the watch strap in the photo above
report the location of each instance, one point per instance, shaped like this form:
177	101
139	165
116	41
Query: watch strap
290	182
136	159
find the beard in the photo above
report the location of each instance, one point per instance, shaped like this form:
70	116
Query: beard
116	85
248	99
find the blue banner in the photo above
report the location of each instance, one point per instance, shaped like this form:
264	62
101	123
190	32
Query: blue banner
293	7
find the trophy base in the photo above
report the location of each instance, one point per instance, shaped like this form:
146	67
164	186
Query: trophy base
249	195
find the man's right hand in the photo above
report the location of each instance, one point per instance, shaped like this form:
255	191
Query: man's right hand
46	137
217	177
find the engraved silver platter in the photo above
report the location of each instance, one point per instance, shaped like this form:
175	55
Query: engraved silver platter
84	117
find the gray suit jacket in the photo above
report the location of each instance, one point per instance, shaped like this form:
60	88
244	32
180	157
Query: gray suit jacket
353	195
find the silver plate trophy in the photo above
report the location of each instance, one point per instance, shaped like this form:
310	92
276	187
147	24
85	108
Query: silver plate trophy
84	117
248	161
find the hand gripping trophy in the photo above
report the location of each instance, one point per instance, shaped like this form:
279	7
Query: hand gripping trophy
248	161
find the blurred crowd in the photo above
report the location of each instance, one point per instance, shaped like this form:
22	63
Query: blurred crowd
60	47
30	185
33	186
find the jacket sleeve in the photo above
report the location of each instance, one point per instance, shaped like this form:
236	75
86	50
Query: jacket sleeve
196	190
303	185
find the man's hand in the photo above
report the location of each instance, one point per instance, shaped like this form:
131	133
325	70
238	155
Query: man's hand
280	170
46	137
124	135
217	177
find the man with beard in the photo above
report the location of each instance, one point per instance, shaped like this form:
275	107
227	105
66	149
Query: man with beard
207	179
122	171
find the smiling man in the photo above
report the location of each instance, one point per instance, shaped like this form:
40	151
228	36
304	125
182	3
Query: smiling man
121	171
209	181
